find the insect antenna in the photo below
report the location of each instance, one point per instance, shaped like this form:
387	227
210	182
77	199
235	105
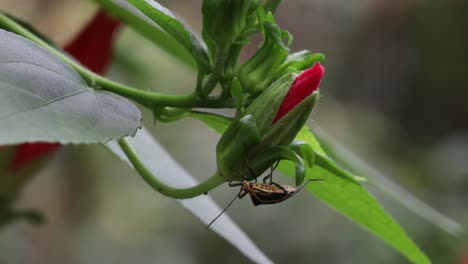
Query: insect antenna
305	183
224	210
244	163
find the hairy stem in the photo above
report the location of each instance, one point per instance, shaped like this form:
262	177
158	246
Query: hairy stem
163	188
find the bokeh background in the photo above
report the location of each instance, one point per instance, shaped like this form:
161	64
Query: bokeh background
394	92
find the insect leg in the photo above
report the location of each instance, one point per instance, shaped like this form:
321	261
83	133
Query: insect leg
241	195
250	168
279	186
246	161
234	184
272	169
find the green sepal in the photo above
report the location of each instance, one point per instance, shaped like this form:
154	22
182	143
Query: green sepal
288	154
168	114
224	21
261	160
257	73
302	60
237	95
283	131
300	173
234	145
291	155
266	105
304	150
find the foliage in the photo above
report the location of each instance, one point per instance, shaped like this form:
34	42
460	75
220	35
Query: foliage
49	97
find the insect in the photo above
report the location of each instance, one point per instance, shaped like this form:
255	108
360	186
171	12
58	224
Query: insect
264	193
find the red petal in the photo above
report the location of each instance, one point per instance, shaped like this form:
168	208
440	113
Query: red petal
93	48
93	45
303	86
28	152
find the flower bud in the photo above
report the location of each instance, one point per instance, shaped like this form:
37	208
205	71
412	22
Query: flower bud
224	21
256	73
277	115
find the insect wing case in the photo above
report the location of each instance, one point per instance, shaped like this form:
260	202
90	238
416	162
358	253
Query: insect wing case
269	194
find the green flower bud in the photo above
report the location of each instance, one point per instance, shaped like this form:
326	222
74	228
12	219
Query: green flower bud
256	73
224	21
231	148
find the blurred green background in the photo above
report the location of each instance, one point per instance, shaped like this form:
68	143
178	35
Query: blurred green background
394	92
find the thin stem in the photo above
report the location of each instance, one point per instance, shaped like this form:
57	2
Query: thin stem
143	97
162	188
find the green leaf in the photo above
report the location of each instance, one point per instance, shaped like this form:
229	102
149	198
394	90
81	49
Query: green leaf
351	199
44	99
202	207
341	191
167	21
379	180
305	136
147	28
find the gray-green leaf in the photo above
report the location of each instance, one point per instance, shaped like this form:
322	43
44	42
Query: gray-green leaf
43	99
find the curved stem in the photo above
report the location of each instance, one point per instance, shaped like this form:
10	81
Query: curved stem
161	187
143	97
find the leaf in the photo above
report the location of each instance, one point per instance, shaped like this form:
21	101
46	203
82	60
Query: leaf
43	99
147	28
167	21
351	199
343	192
160	163
386	185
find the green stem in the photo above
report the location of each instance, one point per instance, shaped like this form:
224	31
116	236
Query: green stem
143	97
162	188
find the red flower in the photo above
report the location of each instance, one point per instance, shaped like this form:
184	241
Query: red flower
93	45
93	48
303	86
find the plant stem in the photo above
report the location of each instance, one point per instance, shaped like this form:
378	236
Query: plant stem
143	97
162	188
